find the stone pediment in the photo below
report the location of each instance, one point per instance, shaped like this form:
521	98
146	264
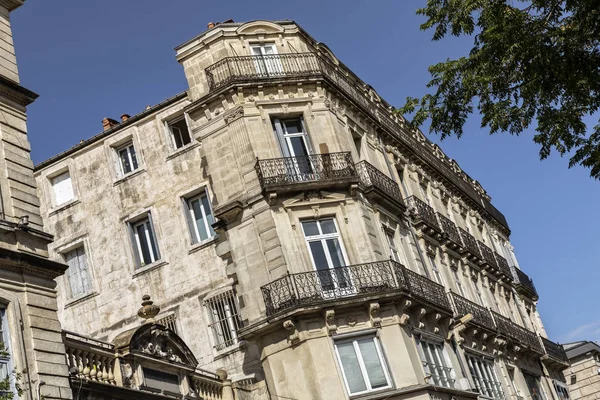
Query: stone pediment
256	27
155	341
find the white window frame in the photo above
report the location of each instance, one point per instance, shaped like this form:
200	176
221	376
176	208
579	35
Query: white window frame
87	270
393	249
483	373
6	359
354	340
148	224
191	217
68	188
169	127
436	363
273	66
437	274
224	316
129	147
458	282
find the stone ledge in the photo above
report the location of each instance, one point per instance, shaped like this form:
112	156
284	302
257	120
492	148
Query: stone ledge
149	267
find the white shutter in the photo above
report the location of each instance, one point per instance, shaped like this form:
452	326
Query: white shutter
86	282
73	273
63	189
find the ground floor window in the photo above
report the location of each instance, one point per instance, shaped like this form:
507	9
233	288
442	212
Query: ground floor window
483	373
362	363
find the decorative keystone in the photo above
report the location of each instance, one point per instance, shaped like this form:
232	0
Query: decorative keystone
148	310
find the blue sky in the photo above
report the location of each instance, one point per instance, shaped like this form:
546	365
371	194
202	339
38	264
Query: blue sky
95	59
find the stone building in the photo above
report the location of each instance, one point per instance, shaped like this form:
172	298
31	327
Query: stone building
297	234
583	376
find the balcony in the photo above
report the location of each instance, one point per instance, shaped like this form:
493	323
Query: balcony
317	288
378	186
511	330
450	232
503	265
312	172
470	245
489	257
481	315
524	284
555	354
423	216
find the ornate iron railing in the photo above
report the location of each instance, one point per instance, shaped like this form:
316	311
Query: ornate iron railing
311	288
469	243
524	283
426	289
555	350
509	329
371	177
326	168
488	255
423	212
481	315
259	68
503	265
449	228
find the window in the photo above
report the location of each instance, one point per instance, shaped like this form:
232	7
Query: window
327	254
435	363
161	380
484	375
362	363
225	319
200	217
180	134
458	282
127	158
394	255
144	241
62	188
266	61
5	354
478	294
78	273
436	272
561	390
533	384
168	322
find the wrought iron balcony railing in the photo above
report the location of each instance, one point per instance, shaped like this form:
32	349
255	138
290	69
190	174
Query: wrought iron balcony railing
373	180
251	69
310	171
423	213
314	288
481	315
524	284
509	329
488	255
450	230
426	290
503	265
469	242
555	351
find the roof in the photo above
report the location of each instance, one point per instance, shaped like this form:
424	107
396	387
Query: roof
577	349
108	132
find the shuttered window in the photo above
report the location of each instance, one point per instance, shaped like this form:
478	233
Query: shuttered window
62	188
78	273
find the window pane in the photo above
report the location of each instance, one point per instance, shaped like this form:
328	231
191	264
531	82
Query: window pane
328	226
310	228
125	164
161	380
352	372
133	157
335	252
180	132
292	126
298	147
143	243
199	219
372	363
318	254
209	216
152	240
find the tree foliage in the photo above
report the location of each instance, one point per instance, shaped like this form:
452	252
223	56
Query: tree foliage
533	64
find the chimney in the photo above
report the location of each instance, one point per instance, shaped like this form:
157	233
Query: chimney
108	123
125	117
210	25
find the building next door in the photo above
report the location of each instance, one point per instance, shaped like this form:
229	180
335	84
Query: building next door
295	147
328	258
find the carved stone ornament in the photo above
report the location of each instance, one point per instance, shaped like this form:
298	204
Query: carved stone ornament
351	320
293	335
148	310
236	113
374	315
158	346
330	322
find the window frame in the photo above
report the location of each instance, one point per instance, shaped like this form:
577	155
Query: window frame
441	357
230	319
192	221
161	372
169	127
88	270
482	378
322	237
6	359
392	247
136	244
382	362
127	146
52	178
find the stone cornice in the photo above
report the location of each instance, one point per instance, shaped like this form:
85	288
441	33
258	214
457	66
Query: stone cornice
15	92
11	4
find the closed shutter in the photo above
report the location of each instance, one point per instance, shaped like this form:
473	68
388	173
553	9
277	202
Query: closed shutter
63	189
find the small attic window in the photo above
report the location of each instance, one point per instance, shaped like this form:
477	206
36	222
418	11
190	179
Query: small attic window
162	381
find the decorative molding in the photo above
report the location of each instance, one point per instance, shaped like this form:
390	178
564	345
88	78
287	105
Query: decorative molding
374	309
293	335
330	322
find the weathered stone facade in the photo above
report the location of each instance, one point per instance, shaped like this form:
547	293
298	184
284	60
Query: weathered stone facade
583	376
335	227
